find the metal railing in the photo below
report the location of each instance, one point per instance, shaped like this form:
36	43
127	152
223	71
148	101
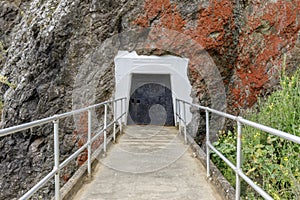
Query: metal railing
88	145
240	122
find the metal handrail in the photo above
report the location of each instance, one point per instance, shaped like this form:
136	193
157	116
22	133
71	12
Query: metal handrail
240	122
55	119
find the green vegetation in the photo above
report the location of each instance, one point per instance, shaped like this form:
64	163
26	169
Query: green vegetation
5	81
271	162
1	50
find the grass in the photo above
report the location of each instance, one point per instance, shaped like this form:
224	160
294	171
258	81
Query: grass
271	162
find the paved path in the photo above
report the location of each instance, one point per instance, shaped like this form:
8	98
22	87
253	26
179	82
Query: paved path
149	162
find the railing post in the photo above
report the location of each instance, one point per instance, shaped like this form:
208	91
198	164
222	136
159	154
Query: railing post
115	113
89	143
56	159
121	124
105	125
176	108
207	142
184	116
238	160
125	103
179	116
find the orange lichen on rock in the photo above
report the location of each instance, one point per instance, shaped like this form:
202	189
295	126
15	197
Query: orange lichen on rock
262	43
210	30
163	11
283	15
267	30
82	158
251	83
81	137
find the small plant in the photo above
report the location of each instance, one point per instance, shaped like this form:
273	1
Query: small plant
270	161
227	145
3	79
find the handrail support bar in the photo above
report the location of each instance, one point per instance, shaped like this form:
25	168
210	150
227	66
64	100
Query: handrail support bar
238	159
56	159
89	163
105	127
207	144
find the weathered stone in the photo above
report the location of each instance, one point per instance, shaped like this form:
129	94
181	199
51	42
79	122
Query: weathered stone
45	44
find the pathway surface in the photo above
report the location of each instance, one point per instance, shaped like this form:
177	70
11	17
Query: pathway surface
149	162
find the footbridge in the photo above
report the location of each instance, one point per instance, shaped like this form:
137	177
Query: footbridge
142	161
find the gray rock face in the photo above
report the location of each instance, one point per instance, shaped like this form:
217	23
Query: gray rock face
49	49
42	45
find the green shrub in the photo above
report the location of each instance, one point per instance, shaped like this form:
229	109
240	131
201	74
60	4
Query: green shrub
271	162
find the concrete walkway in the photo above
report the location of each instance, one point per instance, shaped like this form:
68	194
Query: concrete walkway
149	162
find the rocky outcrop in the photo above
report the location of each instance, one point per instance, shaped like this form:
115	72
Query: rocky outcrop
45	42
270	30
246	39
43	45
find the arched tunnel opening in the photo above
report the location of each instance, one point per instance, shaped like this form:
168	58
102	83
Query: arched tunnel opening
151	101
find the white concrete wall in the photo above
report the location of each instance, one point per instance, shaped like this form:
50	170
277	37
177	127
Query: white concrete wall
128	63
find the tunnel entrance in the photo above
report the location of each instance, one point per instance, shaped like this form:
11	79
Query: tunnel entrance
151	84
151	101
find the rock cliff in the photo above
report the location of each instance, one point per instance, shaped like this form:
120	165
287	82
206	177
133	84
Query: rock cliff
44	43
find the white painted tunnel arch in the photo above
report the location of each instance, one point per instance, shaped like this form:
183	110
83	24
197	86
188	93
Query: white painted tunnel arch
128	63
